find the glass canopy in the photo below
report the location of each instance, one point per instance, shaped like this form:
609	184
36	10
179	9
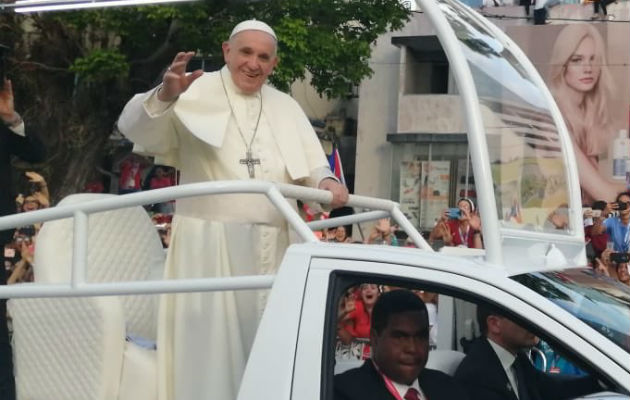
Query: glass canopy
518	142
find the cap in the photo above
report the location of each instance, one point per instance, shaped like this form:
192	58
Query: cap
253	25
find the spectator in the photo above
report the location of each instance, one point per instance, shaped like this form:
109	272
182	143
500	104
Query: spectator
400	349
597	242
14	141
130	175
23	269
462	230
341	234
382	233
604	15
356	319
431	301
622	273
161	179
617	227
603	265
39	190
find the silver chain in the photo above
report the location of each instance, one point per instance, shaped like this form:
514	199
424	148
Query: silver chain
248	147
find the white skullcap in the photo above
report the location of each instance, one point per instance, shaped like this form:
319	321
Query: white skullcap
253	25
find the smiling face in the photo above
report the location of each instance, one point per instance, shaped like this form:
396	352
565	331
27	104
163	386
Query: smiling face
583	67
251	57
340	234
369	294
401	350
622	273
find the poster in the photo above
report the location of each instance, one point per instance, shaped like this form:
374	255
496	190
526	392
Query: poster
410	190
435	176
587	69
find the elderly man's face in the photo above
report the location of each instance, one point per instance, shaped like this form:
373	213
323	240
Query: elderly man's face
401	350
251	57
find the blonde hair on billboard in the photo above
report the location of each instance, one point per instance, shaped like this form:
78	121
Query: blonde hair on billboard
590	125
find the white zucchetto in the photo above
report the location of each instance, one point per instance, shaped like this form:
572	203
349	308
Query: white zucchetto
253	25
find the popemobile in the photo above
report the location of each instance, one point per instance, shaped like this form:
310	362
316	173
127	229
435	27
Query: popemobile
86	328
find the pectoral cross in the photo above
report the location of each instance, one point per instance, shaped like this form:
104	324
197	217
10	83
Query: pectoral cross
250	161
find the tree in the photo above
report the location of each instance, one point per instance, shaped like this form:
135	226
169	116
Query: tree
74	71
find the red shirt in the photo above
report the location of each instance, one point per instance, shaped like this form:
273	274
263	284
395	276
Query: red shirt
461	236
597	241
359	321
158	183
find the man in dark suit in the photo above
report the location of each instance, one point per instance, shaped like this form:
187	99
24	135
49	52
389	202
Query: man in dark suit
400	347
13	142
497	368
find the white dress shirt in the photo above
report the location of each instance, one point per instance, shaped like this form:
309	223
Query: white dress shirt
402	389
507	360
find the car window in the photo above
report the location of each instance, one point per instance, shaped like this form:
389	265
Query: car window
599	301
353	298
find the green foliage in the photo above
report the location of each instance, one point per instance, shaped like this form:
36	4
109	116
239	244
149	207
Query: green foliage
101	65
73	71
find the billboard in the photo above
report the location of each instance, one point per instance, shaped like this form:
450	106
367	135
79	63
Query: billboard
587	69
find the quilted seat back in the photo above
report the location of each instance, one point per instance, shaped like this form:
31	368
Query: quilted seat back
72	348
123	245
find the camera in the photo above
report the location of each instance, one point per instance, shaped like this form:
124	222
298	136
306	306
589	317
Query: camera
622	206
454	213
619	257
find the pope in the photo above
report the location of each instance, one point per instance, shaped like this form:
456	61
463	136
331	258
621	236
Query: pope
223	125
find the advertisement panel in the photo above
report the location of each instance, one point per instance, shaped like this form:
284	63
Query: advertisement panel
587	69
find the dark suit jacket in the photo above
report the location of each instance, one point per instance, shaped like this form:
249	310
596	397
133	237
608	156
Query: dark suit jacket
27	148
365	383
483	377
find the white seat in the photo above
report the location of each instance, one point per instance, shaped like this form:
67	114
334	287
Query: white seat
446	361
76	348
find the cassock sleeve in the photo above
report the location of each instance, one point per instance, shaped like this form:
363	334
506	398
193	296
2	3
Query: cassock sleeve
148	122
315	157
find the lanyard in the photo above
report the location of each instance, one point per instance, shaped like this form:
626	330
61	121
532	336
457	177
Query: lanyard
464	238
390	386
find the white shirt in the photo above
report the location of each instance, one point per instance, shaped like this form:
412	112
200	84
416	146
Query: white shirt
402	389
507	360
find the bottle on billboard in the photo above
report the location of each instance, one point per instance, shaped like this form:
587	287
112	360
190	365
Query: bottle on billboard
621	154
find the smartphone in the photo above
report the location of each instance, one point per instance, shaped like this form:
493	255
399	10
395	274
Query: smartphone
619	257
597	213
454	213
622	206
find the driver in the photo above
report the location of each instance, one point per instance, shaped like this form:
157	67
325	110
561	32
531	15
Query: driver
497	368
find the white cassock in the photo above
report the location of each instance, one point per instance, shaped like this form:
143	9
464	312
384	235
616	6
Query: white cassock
204	339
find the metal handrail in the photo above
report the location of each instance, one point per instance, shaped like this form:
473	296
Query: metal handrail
276	193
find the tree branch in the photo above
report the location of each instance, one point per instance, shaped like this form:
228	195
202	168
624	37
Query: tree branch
44	66
172	30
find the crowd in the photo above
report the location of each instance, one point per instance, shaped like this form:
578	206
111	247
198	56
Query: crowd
607	234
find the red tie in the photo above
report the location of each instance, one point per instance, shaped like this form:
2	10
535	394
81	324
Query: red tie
412	394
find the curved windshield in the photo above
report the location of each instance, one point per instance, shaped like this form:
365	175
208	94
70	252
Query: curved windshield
599	301
523	144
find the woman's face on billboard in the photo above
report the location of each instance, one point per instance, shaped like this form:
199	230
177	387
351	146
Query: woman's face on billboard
582	70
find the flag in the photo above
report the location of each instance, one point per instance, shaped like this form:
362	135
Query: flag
334	160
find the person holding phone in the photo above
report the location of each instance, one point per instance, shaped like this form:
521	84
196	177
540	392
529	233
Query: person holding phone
14	141
617	226
459	227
